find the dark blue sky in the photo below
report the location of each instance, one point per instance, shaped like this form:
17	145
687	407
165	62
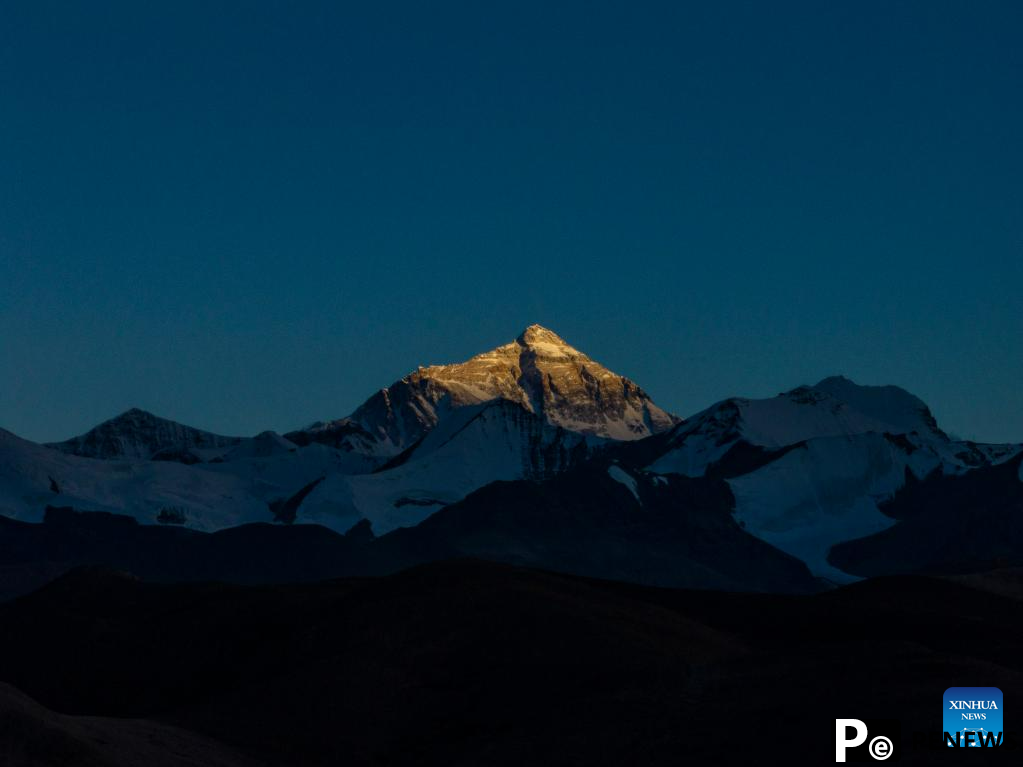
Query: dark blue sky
251	215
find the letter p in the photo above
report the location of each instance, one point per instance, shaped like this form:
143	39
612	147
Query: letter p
841	743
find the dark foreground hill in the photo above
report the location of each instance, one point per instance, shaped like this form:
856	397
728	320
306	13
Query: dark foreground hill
33	554
33	735
470	663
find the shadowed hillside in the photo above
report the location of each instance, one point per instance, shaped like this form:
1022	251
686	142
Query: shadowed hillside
472	663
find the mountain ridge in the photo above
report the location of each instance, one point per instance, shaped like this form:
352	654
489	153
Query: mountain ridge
538	370
811	469
137	433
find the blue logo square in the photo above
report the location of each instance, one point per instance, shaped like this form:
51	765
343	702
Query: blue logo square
973	716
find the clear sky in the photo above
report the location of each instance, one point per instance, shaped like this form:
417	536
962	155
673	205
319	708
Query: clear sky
251	215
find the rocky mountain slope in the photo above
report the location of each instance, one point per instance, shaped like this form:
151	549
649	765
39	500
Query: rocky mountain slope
538	370
138	434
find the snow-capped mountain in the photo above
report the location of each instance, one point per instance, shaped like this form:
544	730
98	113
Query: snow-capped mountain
138	434
472	447
810	467
812	472
835	407
538	370
234	487
33	476
525	410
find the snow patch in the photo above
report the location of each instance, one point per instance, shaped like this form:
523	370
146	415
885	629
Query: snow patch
618	474
822	494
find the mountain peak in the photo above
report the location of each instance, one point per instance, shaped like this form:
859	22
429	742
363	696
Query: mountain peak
538	334
892	405
539	371
136	412
137	433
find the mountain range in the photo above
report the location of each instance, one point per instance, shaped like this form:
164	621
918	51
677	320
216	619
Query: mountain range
533	453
